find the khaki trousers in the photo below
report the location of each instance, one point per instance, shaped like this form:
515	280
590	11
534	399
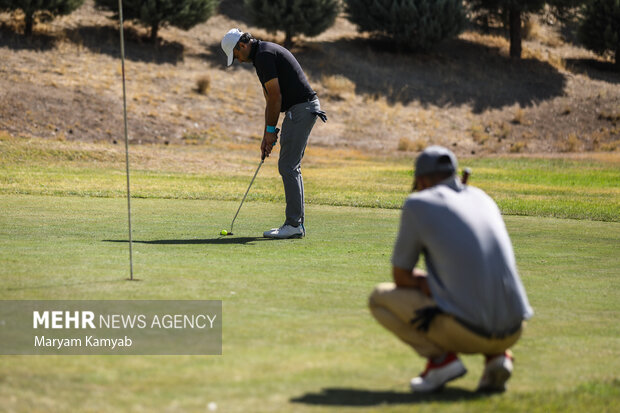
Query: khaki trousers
394	308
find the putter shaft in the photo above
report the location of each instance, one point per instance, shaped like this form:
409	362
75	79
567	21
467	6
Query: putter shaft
246	194
262	160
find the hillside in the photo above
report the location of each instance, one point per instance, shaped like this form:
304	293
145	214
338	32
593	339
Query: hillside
64	84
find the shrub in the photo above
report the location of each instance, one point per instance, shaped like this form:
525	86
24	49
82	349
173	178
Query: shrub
411	24
33	7
183	14
600	28
519	118
203	84
293	17
411	145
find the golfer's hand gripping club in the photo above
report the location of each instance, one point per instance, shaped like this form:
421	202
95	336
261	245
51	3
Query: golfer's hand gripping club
264	152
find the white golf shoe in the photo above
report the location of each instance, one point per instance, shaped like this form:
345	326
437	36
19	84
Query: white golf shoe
437	375
285	231
497	371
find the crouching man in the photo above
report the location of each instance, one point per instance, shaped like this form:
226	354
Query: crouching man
471	299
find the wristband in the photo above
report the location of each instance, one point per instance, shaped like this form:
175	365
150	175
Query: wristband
271	129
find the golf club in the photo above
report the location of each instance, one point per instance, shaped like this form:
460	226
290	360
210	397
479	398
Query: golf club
262	160
465	177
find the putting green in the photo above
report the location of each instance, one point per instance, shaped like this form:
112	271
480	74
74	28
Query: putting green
297	334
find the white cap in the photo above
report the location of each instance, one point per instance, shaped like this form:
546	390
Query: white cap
229	42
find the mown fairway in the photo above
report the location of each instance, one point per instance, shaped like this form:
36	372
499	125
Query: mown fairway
587	188
297	334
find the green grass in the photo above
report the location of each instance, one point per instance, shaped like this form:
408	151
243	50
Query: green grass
562	188
297	335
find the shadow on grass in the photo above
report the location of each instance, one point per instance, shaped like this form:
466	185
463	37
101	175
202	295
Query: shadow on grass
209	241
595	69
457	72
365	398
15	41
105	40
98	39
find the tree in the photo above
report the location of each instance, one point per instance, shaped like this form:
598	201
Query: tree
566	9
183	14
411	24
32	8
600	28
514	10
293	17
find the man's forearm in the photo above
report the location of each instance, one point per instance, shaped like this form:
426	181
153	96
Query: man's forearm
272	110
404	278
411	279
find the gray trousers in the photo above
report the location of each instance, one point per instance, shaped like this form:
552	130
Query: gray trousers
296	128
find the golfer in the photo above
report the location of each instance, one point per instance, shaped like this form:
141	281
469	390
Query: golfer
286	90
471	299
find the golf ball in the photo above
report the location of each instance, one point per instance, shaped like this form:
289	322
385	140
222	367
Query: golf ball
224	232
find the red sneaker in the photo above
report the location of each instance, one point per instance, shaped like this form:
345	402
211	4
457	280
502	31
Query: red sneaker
437	375
497	371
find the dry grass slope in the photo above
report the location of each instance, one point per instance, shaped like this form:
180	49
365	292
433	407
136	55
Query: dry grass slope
64	84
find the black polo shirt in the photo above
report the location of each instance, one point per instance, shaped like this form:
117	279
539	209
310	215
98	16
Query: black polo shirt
272	60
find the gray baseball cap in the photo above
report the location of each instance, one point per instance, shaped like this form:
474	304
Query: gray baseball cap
435	159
